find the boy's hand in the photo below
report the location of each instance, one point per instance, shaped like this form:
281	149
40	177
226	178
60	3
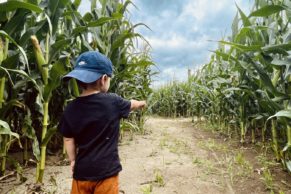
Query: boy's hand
72	166
71	151
137	104
143	104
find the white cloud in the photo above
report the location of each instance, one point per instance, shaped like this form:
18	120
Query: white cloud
180	36
200	9
168	75
181	30
177	41
175	73
166	14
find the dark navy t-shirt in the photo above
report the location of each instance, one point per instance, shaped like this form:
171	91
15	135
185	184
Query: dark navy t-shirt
93	121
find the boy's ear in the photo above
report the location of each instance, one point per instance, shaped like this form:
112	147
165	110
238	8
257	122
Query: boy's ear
103	79
105	76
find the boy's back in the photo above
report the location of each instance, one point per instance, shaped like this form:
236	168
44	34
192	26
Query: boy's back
90	126
93	121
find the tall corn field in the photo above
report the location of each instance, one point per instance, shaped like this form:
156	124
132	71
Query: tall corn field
39	41
246	86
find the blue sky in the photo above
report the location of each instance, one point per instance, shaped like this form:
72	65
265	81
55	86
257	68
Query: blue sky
183	31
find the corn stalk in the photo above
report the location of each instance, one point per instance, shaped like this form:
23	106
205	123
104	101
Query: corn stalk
5	138
43	69
61	34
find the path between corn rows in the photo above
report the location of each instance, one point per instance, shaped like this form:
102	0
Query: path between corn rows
170	158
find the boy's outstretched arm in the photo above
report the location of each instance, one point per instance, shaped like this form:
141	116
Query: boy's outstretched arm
135	104
71	150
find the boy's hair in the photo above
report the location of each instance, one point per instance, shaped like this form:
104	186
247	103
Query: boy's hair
84	86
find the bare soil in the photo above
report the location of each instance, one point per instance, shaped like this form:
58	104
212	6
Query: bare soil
175	156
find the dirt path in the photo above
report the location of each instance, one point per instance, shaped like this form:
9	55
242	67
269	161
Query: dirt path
167	155
173	157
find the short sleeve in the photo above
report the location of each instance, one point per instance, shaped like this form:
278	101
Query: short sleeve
64	128
123	106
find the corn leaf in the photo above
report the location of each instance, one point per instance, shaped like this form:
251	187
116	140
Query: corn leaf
55	74
243	47
77	3
225	56
10	105
279	48
282	113
29	32
57	47
48	136
245	19
264	77
13	5
5	129
267	11
288	165
20	72
29	132
16	23
121	39
234	26
3	33
103	20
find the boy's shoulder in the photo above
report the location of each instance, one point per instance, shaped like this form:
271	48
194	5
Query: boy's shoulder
106	96
113	95
101	100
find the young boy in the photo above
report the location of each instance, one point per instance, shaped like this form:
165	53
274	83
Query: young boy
90	126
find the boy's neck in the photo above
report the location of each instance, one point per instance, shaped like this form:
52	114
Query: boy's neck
88	92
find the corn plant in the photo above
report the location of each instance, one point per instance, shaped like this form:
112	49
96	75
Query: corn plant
39	41
246	85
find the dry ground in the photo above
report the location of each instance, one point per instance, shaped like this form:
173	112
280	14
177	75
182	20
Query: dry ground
175	157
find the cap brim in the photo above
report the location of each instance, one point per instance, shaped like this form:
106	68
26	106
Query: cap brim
83	75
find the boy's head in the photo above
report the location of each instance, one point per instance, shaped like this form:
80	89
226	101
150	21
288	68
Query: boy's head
92	70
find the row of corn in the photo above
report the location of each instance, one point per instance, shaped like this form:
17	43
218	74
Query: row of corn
246	86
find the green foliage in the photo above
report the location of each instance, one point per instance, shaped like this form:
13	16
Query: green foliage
173	100
159	178
39	42
246	83
147	189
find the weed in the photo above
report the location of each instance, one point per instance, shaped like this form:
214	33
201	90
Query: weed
267	163
197	161
210	144
163	142
174	145
207	164
240	160
159	178
268	179
243	167
179	146
147	189
54	184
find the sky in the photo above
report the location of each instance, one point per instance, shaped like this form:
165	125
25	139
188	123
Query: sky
183	32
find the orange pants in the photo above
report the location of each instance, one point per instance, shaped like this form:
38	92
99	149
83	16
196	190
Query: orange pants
106	186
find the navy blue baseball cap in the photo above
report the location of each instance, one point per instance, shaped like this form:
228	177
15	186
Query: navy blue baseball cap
90	66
